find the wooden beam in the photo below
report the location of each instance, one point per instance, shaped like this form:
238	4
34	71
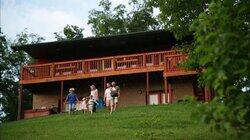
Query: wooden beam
20	94
179	73
61	104
147	88
93	75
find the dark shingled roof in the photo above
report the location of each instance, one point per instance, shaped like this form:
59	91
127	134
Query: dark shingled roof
92	47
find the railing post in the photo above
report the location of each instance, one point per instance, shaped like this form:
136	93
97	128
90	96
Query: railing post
83	66
113	63
144	60
153	59
103	64
52	70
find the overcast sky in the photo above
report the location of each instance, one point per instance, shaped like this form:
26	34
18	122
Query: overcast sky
44	17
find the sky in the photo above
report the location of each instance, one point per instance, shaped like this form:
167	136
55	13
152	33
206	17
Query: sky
44	17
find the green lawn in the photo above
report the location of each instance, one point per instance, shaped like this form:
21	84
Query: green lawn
145	122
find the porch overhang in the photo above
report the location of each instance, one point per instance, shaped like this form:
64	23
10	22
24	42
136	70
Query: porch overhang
93	47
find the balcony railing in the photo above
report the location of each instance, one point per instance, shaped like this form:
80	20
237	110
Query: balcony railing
172	65
165	60
99	65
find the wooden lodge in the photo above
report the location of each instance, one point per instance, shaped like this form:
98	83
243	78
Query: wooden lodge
143	64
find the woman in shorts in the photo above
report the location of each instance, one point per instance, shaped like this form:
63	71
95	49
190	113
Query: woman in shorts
115	89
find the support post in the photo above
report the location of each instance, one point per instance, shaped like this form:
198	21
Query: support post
20	97
170	93
147	88
207	94
166	89
104	84
61	104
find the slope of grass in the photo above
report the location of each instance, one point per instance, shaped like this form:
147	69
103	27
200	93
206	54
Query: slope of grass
145	122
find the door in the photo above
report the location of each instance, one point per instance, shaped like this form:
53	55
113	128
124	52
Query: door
156	97
153	99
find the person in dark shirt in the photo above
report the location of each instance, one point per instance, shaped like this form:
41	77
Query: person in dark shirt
71	99
115	93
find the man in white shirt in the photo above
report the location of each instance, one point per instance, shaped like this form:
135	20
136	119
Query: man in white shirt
108	98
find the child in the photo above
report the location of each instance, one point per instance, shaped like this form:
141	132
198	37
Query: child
84	105
91	104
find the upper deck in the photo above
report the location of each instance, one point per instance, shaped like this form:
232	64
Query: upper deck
165	61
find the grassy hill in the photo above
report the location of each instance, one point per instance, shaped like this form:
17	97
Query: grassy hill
145	122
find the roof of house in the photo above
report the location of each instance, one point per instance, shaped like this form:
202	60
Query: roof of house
92	47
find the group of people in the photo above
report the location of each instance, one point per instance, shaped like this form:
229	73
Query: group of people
89	103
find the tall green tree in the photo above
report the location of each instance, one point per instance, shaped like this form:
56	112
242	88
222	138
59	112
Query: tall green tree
5	78
222	47
178	15
107	22
9	72
118	20
141	18
69	32
221	50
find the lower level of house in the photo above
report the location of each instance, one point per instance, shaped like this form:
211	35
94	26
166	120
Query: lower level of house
136	90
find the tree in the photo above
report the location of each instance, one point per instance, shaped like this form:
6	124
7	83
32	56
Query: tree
221	49
5	76
222	37
69	32
117	21
141	17
178	15
9	72
106	22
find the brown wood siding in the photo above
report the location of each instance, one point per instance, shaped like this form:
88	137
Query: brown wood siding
133	89
182	87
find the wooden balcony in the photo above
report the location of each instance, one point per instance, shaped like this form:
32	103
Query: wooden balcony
106	66
172	67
